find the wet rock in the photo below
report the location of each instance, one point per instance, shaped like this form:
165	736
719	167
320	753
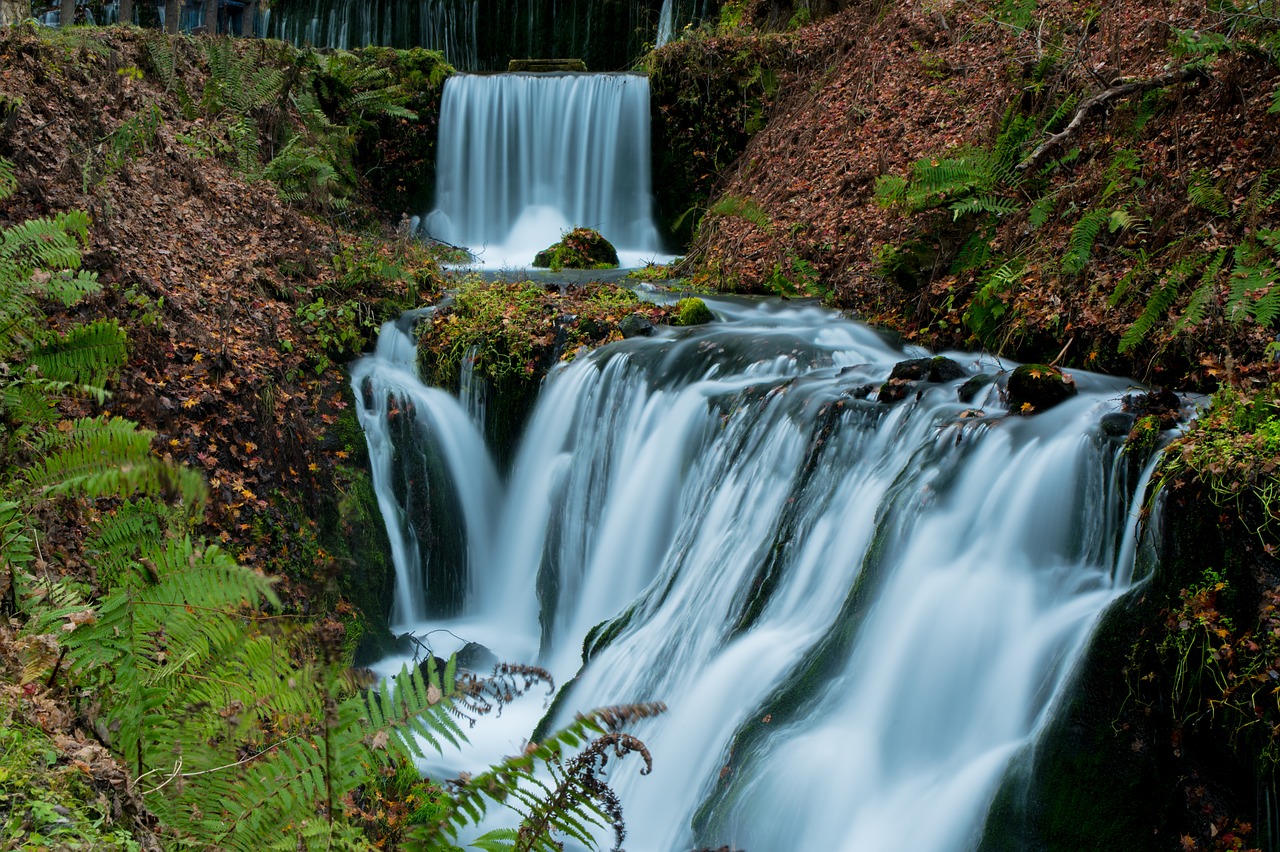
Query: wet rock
636	325
440	665
1034	388
895	390
969	391
476	657
1117	424
1161	403
936	369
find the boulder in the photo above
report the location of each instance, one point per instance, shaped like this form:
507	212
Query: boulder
936	369
1034	388
1117	424
636	325
969	391
476	657
581	248
692	311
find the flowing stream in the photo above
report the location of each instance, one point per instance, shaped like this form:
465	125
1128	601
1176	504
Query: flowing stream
858	613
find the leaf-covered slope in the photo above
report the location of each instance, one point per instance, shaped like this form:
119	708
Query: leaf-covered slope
1168	167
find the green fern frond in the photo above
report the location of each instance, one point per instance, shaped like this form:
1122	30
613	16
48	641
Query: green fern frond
746	209
90	354
983	204
1204	295
973	255
890	190
1083	236
1157	307
1205	195
1040	211
100	457
8	179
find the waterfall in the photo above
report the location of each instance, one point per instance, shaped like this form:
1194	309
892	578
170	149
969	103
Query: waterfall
448	26
666	24
524	157
858	613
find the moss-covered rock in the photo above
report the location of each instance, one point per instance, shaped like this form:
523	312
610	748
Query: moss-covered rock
581	248
1038	387
692	311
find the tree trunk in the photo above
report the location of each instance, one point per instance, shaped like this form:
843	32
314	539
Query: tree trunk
248	19
211	17
172	14
126	11
14	11
67	16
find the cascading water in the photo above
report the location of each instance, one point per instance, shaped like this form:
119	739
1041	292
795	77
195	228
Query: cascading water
524	157
857	613
677	14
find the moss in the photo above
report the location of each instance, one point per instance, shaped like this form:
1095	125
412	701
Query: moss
1143	437
693	311
581	248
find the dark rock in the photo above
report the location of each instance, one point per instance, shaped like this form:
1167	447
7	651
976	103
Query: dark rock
1161	403
1117	424
936	369
636	325
440	666
1034	388
969	391
895	390
476	657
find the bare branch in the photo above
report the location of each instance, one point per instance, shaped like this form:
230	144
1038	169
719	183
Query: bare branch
1119	90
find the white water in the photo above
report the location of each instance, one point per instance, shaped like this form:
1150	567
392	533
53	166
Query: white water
666	23
666	476
525	157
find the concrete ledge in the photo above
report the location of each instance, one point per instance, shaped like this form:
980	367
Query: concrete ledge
516	66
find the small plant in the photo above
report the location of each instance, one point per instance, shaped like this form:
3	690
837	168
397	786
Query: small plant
340	331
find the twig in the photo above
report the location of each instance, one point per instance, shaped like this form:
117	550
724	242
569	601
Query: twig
1055	361
1120	90
178	773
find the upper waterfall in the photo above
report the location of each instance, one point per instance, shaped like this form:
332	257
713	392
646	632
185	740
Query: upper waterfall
524	157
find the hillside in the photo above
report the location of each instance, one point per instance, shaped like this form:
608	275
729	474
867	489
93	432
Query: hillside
899	172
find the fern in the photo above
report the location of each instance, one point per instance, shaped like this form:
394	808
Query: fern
746	209
8	180
1205	293
1160	302
1083	236
988	306
1041	210
108	456
88	355
554	795
984	204
1206	196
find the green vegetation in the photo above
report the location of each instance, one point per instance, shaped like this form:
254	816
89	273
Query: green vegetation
692	311
236	728
580	248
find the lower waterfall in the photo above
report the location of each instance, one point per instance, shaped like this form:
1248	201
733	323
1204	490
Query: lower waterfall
858	613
